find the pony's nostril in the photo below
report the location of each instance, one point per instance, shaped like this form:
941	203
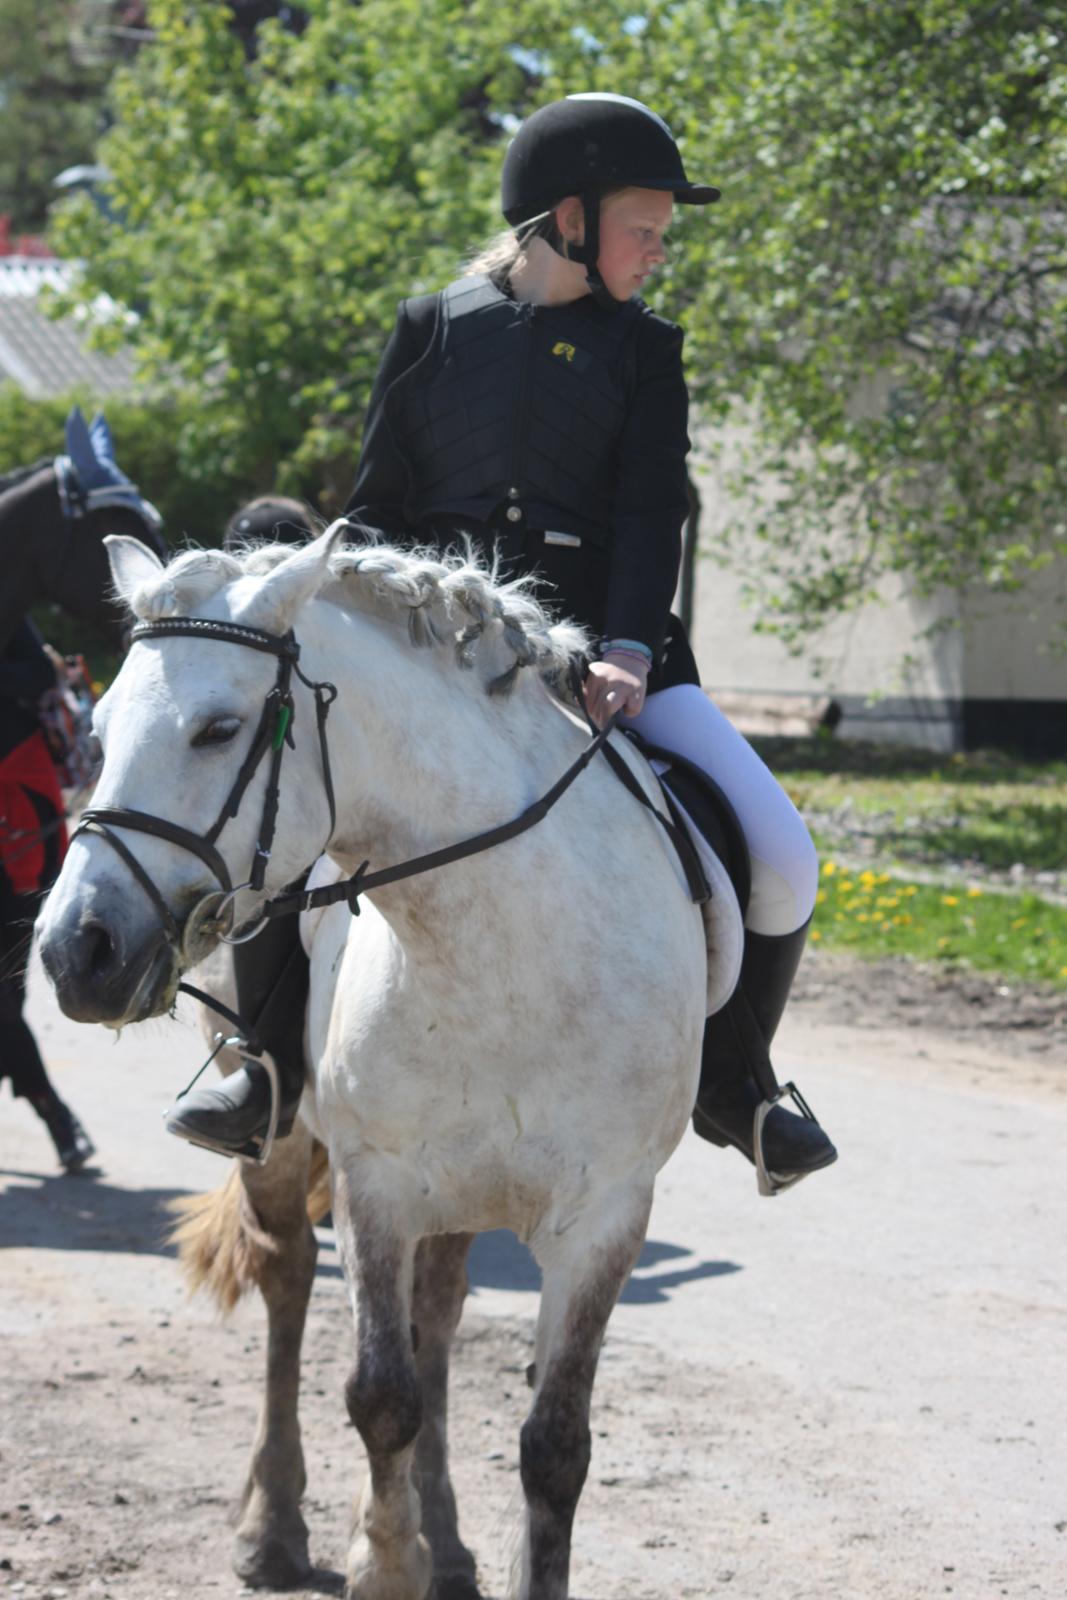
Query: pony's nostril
99	950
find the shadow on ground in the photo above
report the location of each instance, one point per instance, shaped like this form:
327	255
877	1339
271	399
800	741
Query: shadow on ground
499	1261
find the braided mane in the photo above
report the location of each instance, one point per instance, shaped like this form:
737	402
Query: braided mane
452	601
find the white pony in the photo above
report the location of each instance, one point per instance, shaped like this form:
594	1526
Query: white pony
511	1041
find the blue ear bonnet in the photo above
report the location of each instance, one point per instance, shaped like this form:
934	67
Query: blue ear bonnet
88	476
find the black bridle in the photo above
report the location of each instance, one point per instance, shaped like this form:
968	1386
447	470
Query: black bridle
274	732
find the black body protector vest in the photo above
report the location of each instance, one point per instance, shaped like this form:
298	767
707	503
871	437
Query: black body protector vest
515	411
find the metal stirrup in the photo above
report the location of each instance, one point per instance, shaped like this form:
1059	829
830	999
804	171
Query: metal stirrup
771	1183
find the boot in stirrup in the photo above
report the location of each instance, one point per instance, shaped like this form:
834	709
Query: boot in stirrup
738	1102
241	1116
244	1114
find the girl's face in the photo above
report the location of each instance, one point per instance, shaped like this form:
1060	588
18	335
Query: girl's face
632	228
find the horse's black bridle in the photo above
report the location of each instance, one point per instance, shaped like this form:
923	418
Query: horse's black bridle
273	733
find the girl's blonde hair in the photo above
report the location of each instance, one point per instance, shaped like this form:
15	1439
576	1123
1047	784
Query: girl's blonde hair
497	259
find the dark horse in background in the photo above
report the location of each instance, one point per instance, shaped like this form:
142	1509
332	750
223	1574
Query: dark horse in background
53	518
54	515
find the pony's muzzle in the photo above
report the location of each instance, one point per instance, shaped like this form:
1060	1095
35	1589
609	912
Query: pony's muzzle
100	974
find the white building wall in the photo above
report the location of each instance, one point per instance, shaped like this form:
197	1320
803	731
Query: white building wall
893	679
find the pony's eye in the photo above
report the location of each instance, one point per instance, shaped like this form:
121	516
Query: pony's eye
220	730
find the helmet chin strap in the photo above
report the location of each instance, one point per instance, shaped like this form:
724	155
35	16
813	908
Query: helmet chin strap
587	253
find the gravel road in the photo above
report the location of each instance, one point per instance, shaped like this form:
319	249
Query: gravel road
855	1390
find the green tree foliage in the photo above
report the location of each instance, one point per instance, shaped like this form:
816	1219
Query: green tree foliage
881	289
886	282
54	65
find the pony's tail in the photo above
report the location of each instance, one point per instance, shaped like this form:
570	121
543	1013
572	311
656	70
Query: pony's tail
223	1246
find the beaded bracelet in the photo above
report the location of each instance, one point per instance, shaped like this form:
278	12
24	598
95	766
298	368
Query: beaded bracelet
626	647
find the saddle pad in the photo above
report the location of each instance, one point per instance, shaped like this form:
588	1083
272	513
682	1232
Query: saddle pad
723	921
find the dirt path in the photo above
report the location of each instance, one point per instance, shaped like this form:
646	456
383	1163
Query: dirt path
854	1391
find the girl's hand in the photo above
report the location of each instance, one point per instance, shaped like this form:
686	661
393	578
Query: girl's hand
617	683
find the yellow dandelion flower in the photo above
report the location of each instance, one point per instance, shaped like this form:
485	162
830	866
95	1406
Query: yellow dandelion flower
867	876
884	877
863	917
974	894
1020	922
820	897
815	935
829	868
845	885
941	943
912	888
950	900
1063	972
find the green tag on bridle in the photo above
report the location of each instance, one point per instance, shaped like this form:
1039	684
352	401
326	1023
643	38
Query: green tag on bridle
284	713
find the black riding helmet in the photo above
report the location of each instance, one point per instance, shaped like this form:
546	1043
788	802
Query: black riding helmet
584	145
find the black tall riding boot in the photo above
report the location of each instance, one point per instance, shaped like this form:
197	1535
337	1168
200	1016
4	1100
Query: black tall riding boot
737	1082
234	1117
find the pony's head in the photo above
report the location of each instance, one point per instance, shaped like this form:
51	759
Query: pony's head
189	726
188	730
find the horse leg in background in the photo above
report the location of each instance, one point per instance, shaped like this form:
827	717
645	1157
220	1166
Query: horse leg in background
585	1269
389	1558
437	1303
255	1232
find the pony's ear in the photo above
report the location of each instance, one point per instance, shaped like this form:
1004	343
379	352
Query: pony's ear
132	564
279	595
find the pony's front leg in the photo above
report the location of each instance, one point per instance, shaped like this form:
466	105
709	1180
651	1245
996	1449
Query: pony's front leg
440	1290
389	1558
271	1545
585	1266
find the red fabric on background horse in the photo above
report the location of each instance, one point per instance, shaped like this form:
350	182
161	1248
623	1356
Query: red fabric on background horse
33	837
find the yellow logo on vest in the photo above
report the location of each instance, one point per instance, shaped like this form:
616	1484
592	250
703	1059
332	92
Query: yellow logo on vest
566	352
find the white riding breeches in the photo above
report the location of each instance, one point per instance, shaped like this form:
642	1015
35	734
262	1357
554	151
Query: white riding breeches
785	868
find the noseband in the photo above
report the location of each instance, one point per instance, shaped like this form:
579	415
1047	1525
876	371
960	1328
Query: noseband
274	732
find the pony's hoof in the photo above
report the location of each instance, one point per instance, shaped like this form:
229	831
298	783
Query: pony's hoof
455	1588
273	1563
408	1576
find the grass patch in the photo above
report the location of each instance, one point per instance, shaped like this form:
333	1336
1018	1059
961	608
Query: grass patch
878	914
986	807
